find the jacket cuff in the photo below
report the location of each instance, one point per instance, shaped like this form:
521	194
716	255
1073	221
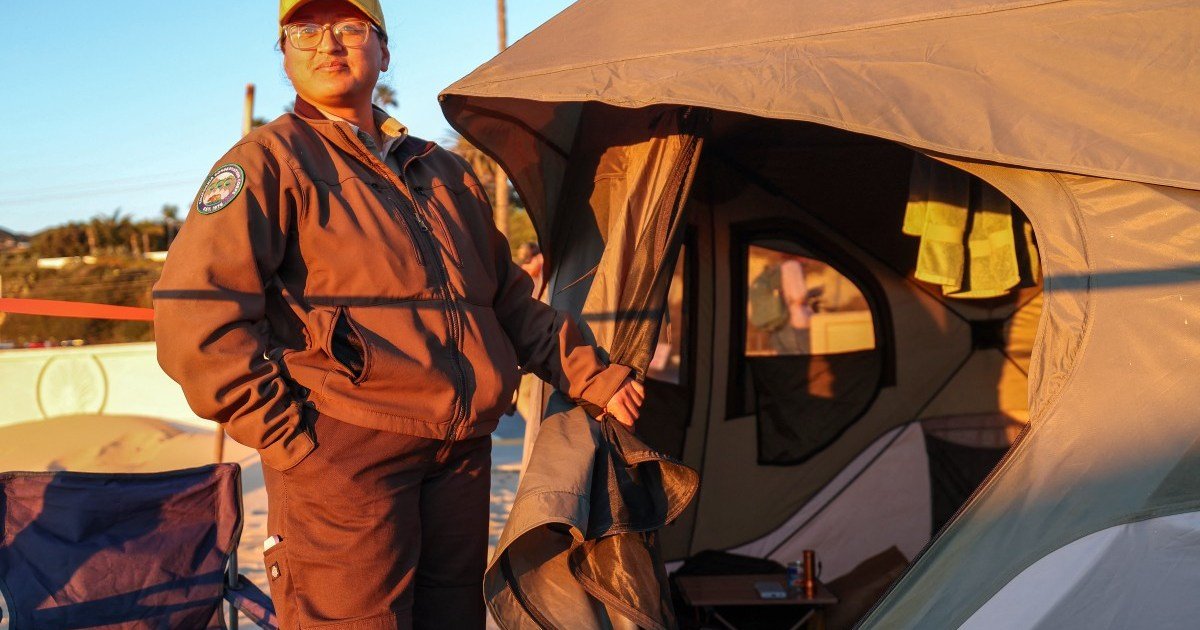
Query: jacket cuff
597	394
292	449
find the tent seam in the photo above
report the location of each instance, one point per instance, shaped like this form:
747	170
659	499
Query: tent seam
1053	401
708	230
998	158
869	26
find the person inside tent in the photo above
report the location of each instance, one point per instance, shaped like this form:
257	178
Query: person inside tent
779	304
529	257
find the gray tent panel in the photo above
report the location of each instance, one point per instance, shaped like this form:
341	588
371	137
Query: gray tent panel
1138	575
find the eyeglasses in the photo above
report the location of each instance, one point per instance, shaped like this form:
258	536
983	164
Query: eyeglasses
348	33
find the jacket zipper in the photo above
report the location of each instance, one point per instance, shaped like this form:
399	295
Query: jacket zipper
439	225
446	291
453	320
408	230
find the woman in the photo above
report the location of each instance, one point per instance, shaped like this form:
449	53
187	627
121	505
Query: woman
341	301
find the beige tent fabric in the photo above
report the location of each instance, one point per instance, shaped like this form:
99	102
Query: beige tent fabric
1081	111
631	176
988	384
1063	325
1112	438
533	142
1049	84
590	503
881	500
1021	331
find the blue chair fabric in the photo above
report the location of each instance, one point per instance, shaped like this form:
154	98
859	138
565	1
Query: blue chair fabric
123	550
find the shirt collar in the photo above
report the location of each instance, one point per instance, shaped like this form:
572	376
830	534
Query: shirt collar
392	131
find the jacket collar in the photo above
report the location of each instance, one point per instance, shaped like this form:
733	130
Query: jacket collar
307	110
410	147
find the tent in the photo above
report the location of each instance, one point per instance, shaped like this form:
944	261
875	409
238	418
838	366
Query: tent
1034	457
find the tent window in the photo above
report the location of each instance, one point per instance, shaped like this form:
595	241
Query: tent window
808	364
800	305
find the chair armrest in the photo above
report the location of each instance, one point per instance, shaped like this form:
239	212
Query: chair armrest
253	603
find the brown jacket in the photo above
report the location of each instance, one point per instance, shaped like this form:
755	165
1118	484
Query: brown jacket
388	302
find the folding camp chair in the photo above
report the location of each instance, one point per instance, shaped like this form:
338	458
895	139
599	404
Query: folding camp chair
145	550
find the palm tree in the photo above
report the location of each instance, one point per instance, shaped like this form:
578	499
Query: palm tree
385	96
110	232
483	165
505	203
72	239
170	215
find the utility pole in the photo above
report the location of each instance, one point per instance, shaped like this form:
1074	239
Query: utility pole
503	18
500	208
247	125
248	112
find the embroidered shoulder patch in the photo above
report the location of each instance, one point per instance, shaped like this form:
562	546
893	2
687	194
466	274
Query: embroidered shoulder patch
221	188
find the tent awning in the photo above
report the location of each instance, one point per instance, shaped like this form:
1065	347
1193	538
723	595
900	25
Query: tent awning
1096	87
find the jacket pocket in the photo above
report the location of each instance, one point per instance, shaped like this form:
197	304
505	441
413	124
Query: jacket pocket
494	362
440	212
358	242
347	346
288	451
411	369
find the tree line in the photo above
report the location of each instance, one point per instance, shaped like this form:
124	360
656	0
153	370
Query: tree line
117	274
120	274
113	234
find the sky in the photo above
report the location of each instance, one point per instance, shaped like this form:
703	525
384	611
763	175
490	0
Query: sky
126	104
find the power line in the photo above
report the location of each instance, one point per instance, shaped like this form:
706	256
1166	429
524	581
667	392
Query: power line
80	194
111	181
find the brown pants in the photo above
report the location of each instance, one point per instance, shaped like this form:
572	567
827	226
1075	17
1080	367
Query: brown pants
377	534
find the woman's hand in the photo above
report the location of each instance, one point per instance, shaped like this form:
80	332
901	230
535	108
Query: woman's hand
626	403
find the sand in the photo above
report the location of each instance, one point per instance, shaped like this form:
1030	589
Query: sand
139	444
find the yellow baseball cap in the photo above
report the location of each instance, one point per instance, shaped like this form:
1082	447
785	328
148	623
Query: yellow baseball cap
371	8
